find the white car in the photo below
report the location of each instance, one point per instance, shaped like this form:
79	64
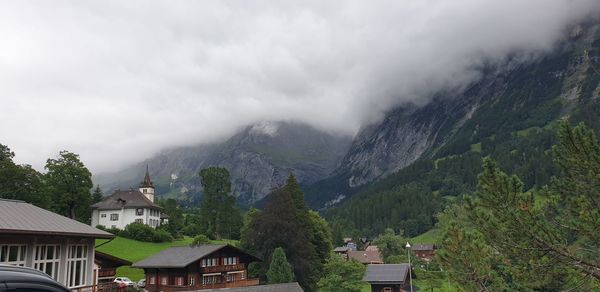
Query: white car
123	281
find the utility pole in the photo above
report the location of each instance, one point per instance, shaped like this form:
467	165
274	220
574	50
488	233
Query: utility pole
409	266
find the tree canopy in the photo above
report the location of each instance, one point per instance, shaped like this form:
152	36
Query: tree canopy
280	270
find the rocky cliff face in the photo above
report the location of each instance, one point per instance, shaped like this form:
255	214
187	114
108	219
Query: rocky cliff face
259	158
515	96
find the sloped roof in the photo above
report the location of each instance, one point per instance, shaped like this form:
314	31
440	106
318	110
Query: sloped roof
366	256
386	273
341	249
423	246
125	199
182	256
19	217
147	183
283	287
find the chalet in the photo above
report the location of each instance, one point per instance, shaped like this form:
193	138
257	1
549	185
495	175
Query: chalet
105	267
365	257
388	277
199	267
125	207
425	251
61	247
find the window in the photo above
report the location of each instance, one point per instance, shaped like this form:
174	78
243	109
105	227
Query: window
139	211
47	259
152	280
179	281
210	262
207	280
13	254
242	275
191	280
114	217
139	221
230	277
77	256
163	280
230	260
102	215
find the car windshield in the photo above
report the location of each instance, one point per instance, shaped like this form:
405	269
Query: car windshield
125	279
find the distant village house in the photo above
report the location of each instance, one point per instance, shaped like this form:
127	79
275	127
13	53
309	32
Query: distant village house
388	277
125	207
424	251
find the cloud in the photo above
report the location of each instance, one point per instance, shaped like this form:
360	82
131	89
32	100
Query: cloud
117	81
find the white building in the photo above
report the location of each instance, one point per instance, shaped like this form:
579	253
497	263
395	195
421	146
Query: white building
125	207
61	247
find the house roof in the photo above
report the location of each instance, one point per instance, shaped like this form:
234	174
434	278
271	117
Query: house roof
147	183
183	256
386	273
283	287
125	199
19	217
366	256
114	261
341	249
423	246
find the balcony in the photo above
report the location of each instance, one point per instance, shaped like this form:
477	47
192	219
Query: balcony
236	284
224	268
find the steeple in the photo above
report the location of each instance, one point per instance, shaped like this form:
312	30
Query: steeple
147	183
147	187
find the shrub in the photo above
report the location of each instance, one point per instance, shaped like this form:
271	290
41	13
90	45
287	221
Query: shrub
143	232
192	230
161	236
113	230
200	239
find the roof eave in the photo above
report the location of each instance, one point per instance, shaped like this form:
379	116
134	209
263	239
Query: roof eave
44	232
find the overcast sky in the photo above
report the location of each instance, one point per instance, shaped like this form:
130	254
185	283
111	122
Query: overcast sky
117	81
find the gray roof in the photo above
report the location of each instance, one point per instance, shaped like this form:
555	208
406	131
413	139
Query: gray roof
341	249
182	256
386	273
423	246
284	287
125	199
19	217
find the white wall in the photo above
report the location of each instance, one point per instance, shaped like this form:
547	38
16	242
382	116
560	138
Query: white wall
126	216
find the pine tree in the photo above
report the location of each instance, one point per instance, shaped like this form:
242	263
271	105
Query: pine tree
97	195
218	210
280	270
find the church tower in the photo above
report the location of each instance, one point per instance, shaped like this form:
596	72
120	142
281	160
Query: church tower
146	187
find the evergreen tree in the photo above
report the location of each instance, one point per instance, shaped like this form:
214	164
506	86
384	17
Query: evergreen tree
218	210
97	195
280	225
280	271
341	275
69	183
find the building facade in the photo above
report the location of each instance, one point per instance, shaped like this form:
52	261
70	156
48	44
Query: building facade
61	247
125	207
198	267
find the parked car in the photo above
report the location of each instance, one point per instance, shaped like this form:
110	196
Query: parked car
123	282
14	278
141	283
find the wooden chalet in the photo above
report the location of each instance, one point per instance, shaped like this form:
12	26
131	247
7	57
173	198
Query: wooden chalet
206	266
388	277
105	267
425	251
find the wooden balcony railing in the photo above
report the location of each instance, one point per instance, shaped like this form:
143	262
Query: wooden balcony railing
224	268
236	284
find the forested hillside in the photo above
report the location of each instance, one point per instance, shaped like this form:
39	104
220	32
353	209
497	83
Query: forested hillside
514	122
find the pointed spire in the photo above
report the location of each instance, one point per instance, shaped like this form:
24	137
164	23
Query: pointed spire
147	183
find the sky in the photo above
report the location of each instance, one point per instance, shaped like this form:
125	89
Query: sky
118	81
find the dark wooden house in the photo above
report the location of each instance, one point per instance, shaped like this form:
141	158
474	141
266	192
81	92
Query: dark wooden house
425	251
106	266
206	266
388	277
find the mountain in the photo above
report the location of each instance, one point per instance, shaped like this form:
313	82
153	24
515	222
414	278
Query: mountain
259	158
510	105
